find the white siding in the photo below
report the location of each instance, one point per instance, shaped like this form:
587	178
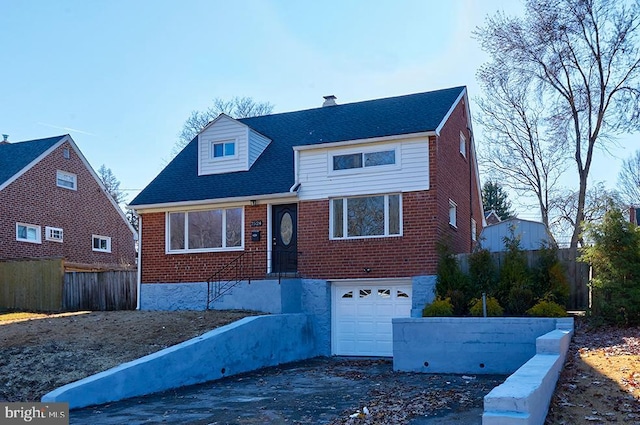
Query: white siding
411	172
225	129
257	144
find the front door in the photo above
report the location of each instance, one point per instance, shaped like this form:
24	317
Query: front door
284	258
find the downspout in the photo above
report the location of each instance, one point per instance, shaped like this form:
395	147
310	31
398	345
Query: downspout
139	259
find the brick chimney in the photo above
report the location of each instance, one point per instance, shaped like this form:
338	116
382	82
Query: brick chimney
329	100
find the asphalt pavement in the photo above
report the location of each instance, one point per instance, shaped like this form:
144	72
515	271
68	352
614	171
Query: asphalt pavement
317	391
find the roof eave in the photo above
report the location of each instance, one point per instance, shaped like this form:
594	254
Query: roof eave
165	206
363	141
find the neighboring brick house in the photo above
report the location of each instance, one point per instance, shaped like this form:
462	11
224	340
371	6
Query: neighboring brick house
346	201
52	204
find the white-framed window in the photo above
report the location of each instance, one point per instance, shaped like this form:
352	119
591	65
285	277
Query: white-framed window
66	180
66	154
28	233
474	230
223	149
363	159
101	243
463	145
54	234
453	212
205	230
366	216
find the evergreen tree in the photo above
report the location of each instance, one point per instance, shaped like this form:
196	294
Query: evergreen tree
494	198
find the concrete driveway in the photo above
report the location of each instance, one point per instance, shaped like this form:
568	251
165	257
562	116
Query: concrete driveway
316	391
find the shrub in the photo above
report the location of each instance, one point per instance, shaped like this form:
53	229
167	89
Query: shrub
493	307
482	272
514	286
519	300
547	309
452	283
549	281
440	307
615	258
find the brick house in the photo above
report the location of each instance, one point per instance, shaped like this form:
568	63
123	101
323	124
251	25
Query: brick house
333	211
52	204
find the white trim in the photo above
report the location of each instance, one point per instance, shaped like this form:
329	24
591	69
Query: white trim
364	141
101	238
463	94
345	224
364	169
453	221
223	248
66	176
223	142
49	234
239	200
38	230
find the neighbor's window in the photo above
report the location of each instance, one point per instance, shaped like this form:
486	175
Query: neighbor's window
205	230
453	207
364	159
101	243
366	216
474	230
28	233
54	234
463	145
66	180
223	149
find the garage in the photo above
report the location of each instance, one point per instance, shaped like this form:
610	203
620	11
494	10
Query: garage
361	315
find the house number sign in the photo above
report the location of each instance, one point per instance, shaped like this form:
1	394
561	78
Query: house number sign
256	223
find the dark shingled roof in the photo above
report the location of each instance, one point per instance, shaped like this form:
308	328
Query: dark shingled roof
15	156
273	171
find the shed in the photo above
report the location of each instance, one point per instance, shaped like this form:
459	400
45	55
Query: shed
533	235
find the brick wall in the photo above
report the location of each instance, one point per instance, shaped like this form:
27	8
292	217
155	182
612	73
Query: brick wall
454	177
160	267
425	222
412	254
34	198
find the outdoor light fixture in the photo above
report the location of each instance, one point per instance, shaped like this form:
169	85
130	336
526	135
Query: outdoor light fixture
254	202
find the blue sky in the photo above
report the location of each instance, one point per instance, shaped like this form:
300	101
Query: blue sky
122	76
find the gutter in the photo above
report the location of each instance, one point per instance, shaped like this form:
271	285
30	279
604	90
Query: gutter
164	206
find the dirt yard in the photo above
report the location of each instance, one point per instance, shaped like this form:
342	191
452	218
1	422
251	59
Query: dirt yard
40	354
599	385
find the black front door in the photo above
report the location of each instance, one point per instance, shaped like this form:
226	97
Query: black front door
284	258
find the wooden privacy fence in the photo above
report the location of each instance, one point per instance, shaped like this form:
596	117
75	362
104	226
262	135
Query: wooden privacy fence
44	285
577	274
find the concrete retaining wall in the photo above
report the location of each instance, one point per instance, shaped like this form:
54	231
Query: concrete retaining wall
466	345
523	399
245	345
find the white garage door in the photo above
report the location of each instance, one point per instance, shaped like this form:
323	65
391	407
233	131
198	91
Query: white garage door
361	316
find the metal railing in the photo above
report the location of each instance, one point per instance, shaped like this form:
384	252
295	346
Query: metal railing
248	266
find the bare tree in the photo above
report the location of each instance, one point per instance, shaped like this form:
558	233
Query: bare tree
598	201
518	150
236	107
584	57
629	180
111	183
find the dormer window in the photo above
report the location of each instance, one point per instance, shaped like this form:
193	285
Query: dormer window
222	149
